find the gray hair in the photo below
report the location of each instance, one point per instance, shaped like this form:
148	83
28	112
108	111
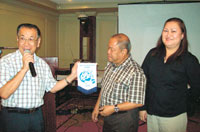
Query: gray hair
123	41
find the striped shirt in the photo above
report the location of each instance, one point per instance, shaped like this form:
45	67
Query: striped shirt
124	83
31	90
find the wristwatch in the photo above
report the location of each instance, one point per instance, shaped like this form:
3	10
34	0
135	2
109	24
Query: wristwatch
116	108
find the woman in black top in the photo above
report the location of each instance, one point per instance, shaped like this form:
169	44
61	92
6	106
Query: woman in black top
170	68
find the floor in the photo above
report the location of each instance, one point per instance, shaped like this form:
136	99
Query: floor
75	116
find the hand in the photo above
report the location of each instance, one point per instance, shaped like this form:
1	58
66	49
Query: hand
74	69
107	110
95	114
143	115
73	74
27	57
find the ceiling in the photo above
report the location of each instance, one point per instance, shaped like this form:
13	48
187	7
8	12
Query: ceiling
89	1
69	6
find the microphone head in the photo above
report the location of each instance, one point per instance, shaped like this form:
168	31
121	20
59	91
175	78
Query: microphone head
27	51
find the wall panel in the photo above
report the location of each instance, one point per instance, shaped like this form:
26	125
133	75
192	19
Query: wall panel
13	14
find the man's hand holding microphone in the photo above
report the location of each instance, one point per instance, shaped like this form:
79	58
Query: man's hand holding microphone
28	62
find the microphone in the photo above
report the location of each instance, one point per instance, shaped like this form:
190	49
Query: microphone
31	66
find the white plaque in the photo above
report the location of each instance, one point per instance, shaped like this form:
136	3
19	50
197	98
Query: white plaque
87	77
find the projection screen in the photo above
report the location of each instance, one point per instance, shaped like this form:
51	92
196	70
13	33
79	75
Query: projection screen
143	24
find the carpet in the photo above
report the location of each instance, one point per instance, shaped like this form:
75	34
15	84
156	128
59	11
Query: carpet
75	116
80	123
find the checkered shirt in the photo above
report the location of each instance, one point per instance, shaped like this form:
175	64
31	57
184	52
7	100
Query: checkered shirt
31	90
124	83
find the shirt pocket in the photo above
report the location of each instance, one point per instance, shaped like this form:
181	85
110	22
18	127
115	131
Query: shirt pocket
120	90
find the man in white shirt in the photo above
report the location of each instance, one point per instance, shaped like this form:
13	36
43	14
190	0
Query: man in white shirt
21	93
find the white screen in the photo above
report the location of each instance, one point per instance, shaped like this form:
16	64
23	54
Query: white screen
143	24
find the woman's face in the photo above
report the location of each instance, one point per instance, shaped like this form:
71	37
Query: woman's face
172	35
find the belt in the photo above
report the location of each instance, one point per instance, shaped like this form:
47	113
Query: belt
20	110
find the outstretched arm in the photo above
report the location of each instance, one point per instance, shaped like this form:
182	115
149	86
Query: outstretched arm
62	83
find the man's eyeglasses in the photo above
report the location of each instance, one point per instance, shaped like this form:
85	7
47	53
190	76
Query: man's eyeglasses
30	40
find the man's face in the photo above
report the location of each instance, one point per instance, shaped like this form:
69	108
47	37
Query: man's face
114	53
28	40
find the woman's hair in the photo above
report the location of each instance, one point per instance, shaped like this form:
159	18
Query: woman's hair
160	48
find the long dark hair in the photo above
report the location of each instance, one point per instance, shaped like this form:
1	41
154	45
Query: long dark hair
183	48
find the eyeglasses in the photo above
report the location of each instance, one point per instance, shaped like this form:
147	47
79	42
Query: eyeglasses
30	40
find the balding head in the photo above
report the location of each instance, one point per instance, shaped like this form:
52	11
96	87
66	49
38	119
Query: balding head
122	41
118	48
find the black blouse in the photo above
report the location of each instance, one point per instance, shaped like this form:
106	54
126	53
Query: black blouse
167	84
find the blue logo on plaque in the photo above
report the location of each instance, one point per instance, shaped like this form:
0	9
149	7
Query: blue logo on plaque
87	77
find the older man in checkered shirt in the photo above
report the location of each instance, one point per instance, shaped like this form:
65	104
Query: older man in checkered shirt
123	88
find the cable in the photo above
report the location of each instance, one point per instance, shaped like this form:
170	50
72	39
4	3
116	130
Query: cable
65	121
71	52
98	126
72	124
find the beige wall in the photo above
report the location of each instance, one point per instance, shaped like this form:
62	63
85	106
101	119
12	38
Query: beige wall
68	39
106	26
14	13
60	33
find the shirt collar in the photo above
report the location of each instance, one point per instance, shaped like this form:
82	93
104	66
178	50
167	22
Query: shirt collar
20	55
125	63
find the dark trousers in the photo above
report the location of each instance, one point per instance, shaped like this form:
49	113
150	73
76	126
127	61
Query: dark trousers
126	121
22	122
